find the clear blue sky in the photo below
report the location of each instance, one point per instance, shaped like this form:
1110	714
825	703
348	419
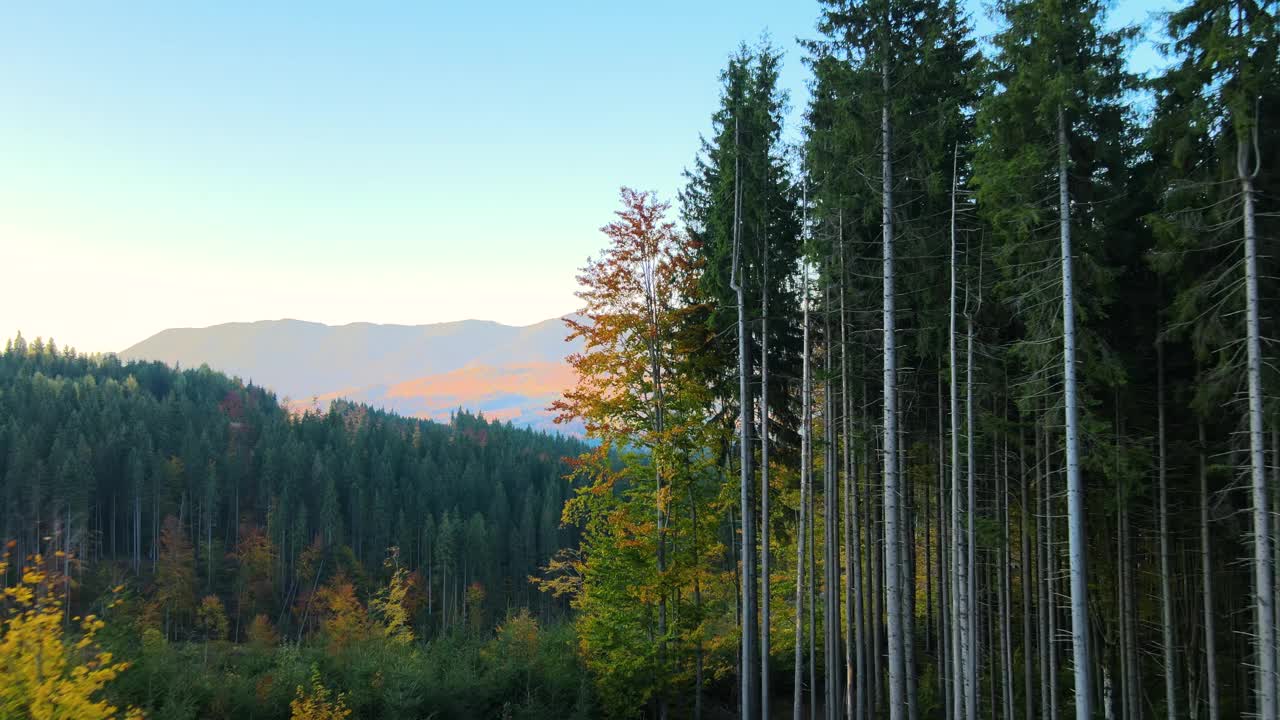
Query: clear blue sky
183	164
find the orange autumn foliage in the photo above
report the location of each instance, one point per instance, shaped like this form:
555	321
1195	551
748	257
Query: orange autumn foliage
343	617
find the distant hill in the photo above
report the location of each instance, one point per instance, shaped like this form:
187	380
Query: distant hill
505	372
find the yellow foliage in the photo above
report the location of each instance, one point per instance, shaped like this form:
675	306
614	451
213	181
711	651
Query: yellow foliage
390	604
319	703
261	634
48	676
343	617
211	618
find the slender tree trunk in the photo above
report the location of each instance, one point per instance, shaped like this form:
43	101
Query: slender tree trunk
971	541
1264	598
137	531
749	656
765	591
1121	601
805	440
1210	652
946	666
1028	578
831	526
813	599
1043	639
893	588
908	575
659	420
1135	703
875	540
857	683
1166	591
1006	594
959	607
1077	539
1051	578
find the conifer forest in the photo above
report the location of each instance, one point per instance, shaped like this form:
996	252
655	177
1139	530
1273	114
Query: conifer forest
959	400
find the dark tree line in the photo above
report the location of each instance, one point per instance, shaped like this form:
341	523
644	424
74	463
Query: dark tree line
98	458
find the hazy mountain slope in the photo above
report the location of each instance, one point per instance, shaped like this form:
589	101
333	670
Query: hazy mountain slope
424	370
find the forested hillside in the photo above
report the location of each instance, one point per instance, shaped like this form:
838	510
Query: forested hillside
190	491
962	406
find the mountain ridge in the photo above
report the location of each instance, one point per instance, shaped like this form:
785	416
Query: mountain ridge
509	371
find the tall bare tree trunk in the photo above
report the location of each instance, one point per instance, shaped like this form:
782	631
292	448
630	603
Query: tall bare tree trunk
892	531
908	575
959	603
857	684
749	657
1028	578
765	590
1006	594
831	527
1135	697
1044	639
971	510
1210	652
1264	598
813	599
946	676
1076	538
1166	591
805	441
1051	577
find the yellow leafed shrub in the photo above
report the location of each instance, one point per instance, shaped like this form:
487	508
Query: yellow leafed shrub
47	675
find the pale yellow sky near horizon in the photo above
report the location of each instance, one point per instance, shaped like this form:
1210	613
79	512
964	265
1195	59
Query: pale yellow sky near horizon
105	300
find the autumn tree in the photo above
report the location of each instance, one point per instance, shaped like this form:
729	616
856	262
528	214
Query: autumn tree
48	675
174	597
318	702
647	480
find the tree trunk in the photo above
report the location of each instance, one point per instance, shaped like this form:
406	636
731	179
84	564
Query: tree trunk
971	510
831	526
946	667
892	559
1028	640
1264	598
765	590
1135	697
856	683
959	606
746	511
813	600
908	575
1166	591
805	440
1044	639
1077	539
1006	594
1210	652
1051	578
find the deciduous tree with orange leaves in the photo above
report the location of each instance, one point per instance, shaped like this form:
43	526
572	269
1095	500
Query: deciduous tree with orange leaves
644	487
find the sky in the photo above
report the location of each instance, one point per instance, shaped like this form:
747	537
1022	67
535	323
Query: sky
172	164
